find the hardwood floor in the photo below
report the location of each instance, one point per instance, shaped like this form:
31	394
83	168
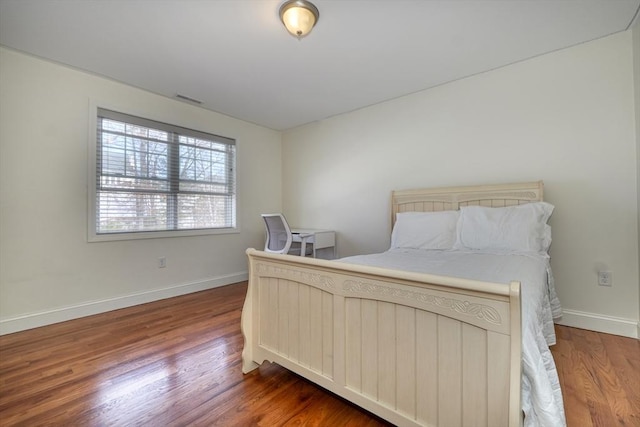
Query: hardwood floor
600	377
176	362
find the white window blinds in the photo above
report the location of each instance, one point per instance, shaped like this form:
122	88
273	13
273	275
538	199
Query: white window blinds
153	176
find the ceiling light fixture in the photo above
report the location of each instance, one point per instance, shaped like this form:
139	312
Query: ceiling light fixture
299	17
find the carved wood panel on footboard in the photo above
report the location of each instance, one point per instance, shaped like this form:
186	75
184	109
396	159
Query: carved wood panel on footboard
412	348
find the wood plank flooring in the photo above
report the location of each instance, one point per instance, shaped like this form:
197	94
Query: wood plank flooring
176	362
600	377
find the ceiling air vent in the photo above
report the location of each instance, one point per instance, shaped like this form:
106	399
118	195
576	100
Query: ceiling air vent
186	98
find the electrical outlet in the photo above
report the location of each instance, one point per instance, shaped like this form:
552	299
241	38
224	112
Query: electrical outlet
605	278
162	262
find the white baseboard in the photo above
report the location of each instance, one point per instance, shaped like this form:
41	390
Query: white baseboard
35	320
600	323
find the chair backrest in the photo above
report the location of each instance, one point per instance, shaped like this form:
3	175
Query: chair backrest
278	233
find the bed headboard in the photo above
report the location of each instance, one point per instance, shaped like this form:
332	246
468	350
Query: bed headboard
451	198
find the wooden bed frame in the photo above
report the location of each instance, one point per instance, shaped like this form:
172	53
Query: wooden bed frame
415	349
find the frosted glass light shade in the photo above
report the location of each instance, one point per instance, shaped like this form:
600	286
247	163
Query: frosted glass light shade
299	17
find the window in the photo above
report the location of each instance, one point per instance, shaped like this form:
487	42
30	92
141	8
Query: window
153	177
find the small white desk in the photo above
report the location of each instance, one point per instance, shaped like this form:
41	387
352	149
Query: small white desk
320	239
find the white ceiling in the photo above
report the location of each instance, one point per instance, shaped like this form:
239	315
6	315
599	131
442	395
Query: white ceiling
236	57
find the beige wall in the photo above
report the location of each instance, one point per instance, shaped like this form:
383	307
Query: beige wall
48	271
636	84
566	118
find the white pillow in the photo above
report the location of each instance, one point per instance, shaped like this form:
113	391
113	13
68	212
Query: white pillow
521	228
425	230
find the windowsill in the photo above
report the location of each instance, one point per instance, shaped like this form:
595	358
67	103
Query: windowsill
158	234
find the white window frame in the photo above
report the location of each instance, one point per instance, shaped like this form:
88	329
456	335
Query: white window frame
92	235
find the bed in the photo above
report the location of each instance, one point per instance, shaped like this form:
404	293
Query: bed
419	336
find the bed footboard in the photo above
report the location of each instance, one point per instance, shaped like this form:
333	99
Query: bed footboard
414	349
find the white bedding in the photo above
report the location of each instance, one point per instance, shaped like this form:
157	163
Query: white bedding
541	395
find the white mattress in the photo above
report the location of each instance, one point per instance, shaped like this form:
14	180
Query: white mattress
541	395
